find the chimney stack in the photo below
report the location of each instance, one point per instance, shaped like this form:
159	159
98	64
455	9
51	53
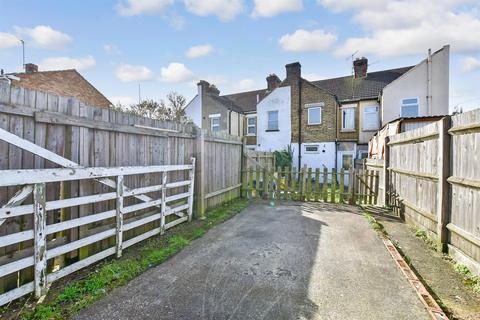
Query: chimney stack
294	71
31	68
202	86
360	66
272	82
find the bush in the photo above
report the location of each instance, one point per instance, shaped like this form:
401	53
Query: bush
283	158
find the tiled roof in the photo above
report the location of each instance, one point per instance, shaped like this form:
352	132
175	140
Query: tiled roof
228	103
347	88
67	83
247	101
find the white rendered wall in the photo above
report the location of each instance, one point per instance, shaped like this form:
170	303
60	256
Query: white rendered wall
278	99
193	110
324	157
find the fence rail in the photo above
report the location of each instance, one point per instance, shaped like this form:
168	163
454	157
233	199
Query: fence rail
169	204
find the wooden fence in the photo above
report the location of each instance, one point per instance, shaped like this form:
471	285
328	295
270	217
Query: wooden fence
219	169
258	159
432	178
63	132
354	187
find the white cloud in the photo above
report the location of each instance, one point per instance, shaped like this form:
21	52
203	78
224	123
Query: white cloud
469	64
270	8
394	28
123	100
225	10
176	21
111	49
307	41
137	7
62	63
8	40
341	5
44	37
246	84
133	73
176	72
199	51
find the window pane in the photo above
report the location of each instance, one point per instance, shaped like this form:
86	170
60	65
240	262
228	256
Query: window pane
251	130
272	120
410	101
313	115
370	118
347	161
348	118
410	111
251	121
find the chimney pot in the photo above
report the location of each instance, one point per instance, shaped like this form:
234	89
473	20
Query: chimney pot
360	67
294	71
272	81
31	68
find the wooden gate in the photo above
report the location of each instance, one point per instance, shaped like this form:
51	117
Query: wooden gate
308	184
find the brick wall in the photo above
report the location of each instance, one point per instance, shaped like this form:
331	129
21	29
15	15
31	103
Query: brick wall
312	94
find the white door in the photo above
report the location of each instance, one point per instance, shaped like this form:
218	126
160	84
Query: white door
345	161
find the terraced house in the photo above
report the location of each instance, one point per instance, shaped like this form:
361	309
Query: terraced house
327	122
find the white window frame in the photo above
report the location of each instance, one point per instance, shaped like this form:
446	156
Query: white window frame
268	120
342	117
312	106
378	117
402	104
312	145
212	117
252	125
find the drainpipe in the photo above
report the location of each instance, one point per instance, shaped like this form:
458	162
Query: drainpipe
299	123
230	122
336	131
429	82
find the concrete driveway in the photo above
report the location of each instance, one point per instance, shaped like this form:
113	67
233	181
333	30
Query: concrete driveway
290	261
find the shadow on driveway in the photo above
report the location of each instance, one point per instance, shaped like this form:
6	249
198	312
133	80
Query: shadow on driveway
288	261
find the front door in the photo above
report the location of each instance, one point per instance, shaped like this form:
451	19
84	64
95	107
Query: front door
345	161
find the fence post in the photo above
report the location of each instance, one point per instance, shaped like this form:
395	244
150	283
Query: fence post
119	207
386	176
352	177
443	191
164	205
191	187
40	246
200	176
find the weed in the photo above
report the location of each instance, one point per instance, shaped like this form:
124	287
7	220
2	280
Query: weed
115	273
375	224
469	277
422	234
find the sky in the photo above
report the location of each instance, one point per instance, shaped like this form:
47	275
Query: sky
168	45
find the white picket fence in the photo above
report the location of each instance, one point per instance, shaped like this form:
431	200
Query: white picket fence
171	199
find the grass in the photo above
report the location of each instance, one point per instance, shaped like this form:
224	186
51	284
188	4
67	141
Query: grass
422	234
377	226
67	301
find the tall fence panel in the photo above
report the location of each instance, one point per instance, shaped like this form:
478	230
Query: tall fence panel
413	179
86	136
464	220
433	179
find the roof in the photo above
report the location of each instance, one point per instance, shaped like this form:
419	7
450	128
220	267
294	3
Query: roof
67	83
247	101
229	104
349	89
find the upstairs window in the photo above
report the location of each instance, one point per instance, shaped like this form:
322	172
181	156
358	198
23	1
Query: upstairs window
370	118
272	120
214	122
314	115
251	126
409	107
348	118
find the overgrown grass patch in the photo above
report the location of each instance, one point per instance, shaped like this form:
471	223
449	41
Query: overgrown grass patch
63	303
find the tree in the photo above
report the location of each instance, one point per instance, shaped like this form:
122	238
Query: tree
172	109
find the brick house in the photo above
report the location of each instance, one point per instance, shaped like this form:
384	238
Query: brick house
68	83
330	122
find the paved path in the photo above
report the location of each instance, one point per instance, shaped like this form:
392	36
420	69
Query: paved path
291	261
